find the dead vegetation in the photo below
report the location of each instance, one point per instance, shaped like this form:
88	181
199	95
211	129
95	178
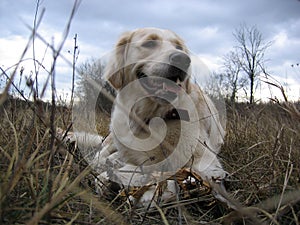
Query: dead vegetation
44	182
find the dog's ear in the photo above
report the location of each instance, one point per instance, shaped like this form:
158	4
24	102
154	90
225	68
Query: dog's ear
114	71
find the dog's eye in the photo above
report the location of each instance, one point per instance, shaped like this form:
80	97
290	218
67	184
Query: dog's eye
149	44
179	47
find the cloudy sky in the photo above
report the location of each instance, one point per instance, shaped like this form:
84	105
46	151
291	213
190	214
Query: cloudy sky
207	26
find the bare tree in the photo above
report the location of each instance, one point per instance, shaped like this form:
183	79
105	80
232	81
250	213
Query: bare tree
232	78
251	53
229	81
91	84
89	71
214	86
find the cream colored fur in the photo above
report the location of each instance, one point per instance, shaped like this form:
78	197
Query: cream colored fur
131	56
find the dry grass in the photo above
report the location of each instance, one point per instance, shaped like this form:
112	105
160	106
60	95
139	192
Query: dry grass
42	182
261	153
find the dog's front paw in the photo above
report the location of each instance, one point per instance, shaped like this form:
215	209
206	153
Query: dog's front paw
213	174
210	172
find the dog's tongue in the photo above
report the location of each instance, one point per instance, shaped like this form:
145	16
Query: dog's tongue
171	87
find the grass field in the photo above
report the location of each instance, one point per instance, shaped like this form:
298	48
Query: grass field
43	182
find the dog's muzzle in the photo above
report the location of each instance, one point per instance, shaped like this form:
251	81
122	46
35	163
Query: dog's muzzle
160	87
179	65
166	83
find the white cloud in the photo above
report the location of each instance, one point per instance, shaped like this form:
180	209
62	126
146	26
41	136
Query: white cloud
280	40
213	63
206	25
11	49
208	32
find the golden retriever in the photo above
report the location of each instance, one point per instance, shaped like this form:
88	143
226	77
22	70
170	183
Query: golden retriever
161	121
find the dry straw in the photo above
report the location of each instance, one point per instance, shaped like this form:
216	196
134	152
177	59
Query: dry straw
43	182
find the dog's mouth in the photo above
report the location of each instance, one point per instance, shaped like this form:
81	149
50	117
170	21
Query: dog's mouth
159	86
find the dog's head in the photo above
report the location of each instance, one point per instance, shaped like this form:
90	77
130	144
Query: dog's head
159	58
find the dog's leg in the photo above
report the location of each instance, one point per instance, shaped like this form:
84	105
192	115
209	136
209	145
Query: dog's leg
209	167
81	139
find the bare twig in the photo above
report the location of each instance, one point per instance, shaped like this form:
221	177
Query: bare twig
4	94
33	47
75	55
289	170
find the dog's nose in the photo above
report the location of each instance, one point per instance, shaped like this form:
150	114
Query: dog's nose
180	60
